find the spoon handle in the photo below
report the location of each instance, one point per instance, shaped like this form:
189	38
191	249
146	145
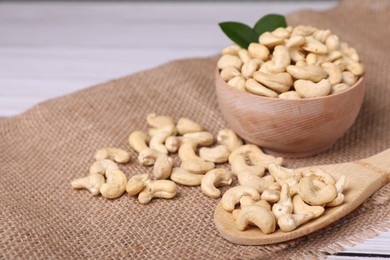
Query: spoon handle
379	163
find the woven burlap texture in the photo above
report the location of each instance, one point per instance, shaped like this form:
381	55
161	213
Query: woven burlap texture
43	149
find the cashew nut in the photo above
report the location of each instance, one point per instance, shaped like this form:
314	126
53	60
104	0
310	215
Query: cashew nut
257	157
200	138
322	35
160	124
172	143
232	49
281	32
293	95
187	150
184	177
319	174
349	78
115	184
103	166
281	173
309	89
116	154
270	195
340	196
310	72
213	179
353	66
185	126
148	157
162	167
289	222
250	67
136	184
313	195
339	88
333	72
247	178
217	154
229	138
303	30
244	55
258	51
228	60
237	160
232	196
157	189
258	216
92	182
280	82
300	207
314	46
157	142
332	42
229	72
284	205
295	41
237	82
138	141
246	201
280	60
197	166
270	40
256	88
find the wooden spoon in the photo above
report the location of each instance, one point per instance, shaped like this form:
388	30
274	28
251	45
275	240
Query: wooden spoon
364	177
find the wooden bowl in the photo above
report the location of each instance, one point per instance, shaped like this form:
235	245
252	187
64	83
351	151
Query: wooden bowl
290	128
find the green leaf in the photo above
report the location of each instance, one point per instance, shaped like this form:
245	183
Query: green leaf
270	22
239	33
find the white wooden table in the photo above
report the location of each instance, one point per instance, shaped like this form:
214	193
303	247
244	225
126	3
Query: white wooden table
51	49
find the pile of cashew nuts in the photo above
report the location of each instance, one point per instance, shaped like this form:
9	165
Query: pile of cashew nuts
292	63
267	194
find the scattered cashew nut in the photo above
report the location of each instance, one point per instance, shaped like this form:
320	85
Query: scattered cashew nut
213	179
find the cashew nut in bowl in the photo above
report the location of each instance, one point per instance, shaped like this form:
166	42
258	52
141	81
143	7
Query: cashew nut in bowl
165	189
185	126
312	73
284	205
148	156
290	95
162	167
247	178
309	89
250	67
217	154
314	46
258	216
238	83
288	222
313	195
333	71
229	72
232	196
280	82
258	51
103	166
229	138
280	60
184	177
228	60
138	141
256	88
244	55
270	40
213	179
115	154
115	185
92	182
136	184
232	50
300	207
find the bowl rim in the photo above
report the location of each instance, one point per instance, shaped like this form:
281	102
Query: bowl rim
355	85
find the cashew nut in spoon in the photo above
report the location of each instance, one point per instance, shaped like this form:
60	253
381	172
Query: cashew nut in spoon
162	167
270	195
309	89
160	123
115	154
319	174
115	184
247	178
288	222
157	189
185	126
184	177
281	173
258	216
92	182
340	184
217	154
213	179
313	195
136	183
284	205
229	138
138	141
232	196
103	166
246	201
300	207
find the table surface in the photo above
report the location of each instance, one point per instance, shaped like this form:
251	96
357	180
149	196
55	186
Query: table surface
52	49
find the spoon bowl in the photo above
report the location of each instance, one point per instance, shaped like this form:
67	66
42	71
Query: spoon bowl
364	177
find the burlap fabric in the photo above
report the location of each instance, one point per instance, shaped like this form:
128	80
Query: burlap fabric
42	150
